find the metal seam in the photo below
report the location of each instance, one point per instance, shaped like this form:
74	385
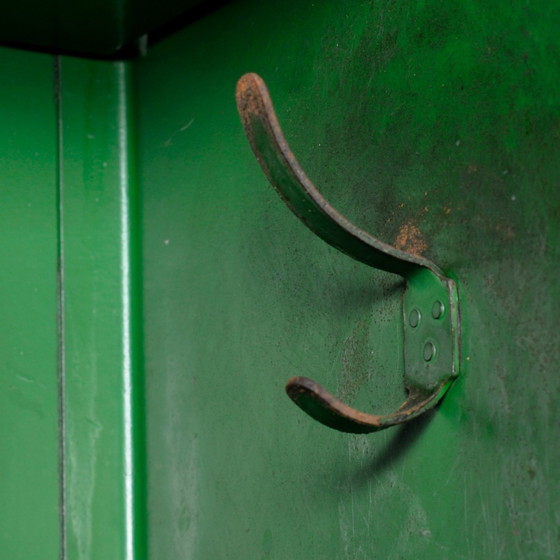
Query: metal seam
61	370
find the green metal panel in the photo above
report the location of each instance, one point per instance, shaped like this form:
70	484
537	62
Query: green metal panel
432	125
104	513
71	435
29	526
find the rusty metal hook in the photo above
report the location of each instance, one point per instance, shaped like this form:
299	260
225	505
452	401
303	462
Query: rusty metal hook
430	303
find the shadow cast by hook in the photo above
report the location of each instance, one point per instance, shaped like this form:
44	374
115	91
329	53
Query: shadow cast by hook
406	437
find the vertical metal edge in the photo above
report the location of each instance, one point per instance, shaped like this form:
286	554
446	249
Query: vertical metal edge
133	375
102	452
455	325
60	307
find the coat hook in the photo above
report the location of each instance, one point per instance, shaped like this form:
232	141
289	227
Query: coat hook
430	302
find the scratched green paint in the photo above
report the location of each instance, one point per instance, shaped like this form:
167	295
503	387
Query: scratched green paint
29	526
430	124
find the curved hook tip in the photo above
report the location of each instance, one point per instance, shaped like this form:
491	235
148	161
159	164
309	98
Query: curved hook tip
252	95
324	407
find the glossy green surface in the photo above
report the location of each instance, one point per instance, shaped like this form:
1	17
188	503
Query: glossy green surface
435	127
29	526
103	463
72	415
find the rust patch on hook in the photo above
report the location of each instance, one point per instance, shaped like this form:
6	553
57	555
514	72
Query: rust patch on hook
411	240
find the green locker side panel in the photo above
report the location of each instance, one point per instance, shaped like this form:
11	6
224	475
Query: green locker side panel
435	127
29	446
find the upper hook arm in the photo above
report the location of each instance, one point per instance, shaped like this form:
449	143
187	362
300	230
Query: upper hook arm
306	202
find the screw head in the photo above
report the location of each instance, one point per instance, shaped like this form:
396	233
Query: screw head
437	309
429	351
414	318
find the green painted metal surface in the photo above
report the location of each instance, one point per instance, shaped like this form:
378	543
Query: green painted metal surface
72	415
29	441
102	419
434	126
